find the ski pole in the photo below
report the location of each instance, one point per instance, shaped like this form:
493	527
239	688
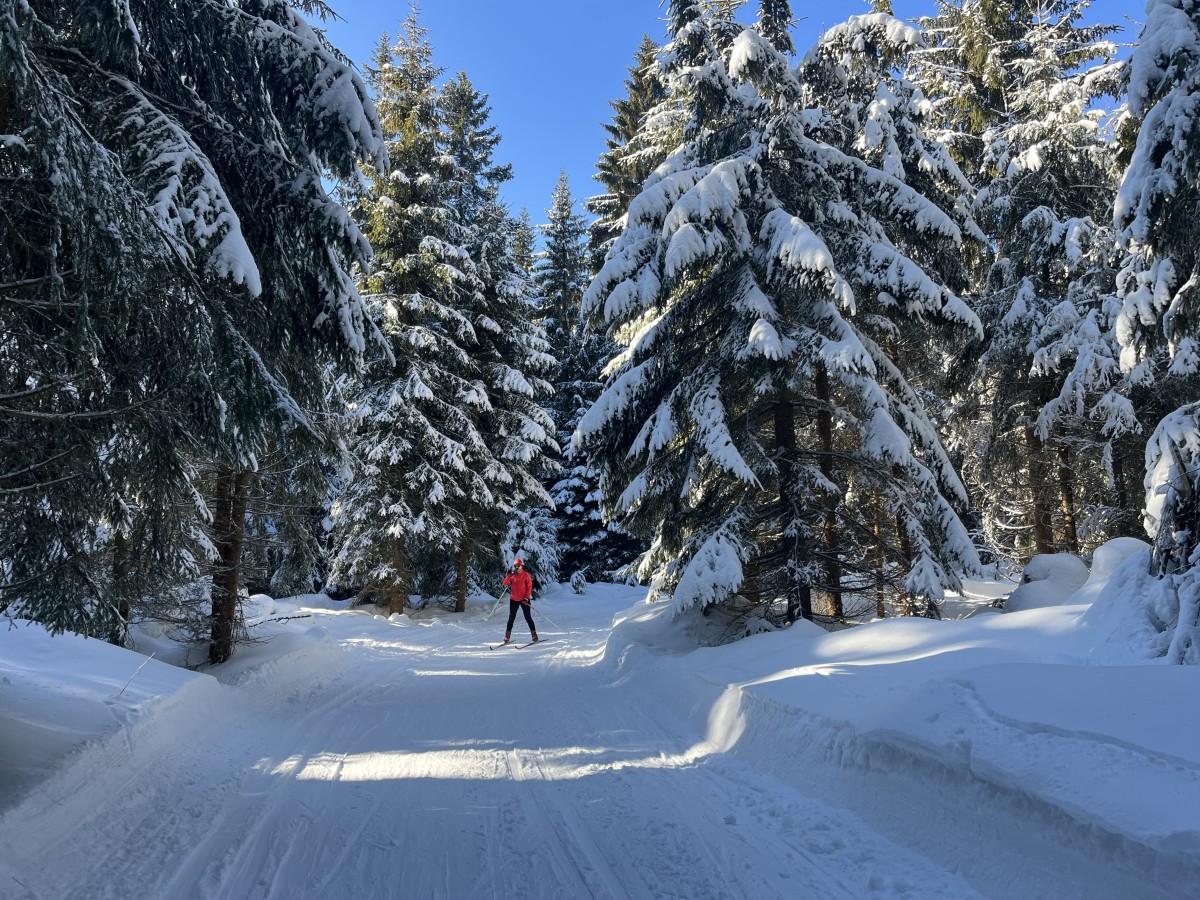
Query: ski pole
543	616
496	607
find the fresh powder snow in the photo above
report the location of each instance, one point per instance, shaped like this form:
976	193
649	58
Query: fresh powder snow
344	754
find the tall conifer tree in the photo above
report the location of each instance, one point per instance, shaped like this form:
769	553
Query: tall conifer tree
524	243
588	548
511	354
414	449
631	152
1159	286
1037	423
750	288
190	141
450	431
561	271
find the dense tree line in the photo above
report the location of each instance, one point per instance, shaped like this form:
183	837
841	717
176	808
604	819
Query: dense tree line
1070	244
840	319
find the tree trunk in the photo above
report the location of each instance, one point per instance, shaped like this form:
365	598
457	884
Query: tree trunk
122	563
1043	531
230	527
906	603
397	590
799	593
829	531
1066	492
907	608
1129	516
460	586
880	556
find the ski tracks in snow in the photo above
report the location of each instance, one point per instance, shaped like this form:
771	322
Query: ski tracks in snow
417	764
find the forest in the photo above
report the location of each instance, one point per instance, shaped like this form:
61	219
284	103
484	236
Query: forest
840	326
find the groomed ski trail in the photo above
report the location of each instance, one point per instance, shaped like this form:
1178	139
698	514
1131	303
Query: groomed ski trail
414	763
410	761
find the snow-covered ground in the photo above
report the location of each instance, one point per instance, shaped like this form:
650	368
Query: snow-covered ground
1017	754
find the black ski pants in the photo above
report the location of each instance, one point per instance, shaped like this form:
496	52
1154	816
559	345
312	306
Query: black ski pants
526	607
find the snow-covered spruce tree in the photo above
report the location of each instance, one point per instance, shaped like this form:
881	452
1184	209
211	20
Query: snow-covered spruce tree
307	118
524	243
1041	413
1159	286
448	427
560	277
415	442
560	273
749	289
510	353
871	115
965	67
92	371
187	141
631	151
646	126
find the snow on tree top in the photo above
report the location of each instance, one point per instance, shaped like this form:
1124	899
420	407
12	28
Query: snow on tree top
1168	32
858	31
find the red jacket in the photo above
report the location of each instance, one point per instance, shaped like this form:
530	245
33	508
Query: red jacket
520	585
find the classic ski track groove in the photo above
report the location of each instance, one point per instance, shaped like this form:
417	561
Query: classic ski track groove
570	874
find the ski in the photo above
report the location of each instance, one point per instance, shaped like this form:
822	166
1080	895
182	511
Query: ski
515	644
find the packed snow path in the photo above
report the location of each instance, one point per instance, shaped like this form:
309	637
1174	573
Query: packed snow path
411	761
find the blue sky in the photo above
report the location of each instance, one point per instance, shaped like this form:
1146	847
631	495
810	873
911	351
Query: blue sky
550	67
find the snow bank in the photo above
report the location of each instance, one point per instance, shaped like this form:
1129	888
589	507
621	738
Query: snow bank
1129	620
1049	580
259	608
1105	561
1033	721
61	695
58	694
291	656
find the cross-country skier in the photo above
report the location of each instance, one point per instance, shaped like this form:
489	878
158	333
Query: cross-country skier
520	591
